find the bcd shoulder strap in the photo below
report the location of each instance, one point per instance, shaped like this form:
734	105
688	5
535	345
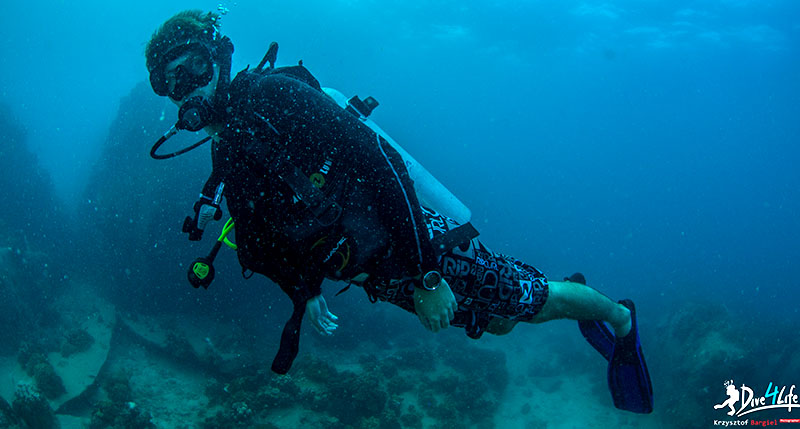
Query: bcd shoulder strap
299	72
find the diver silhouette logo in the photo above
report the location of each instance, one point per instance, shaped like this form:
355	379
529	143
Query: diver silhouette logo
733	396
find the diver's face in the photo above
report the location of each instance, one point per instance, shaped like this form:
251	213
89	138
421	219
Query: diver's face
189	76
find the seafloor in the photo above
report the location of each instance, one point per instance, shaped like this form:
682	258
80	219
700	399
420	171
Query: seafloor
82	362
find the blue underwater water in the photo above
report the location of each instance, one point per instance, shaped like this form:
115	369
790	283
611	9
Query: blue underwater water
652	146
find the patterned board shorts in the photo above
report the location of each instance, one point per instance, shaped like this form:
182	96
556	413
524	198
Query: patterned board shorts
486	284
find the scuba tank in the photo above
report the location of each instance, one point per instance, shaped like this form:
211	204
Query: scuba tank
431	193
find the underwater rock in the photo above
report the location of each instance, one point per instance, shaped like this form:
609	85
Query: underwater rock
34	215
192	341
109	209
32	407
180	348
12	316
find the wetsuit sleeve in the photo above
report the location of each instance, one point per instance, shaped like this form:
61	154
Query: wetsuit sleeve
216	177
211	185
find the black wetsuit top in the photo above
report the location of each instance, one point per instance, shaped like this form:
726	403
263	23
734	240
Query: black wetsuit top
276	123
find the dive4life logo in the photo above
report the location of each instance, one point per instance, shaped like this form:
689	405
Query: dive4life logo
747	402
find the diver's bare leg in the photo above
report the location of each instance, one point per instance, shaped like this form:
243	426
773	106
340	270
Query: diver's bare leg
569	300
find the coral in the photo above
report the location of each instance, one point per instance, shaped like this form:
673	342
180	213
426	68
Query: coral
714	346
124	415
238	414
368	423
452	389
390	418
26	351
360	392
316	369
31	406
247	398
35	363
76	341
400	384
387	368
8	419
118	387
447	413
241	413
489	364
47	380
412	419
421	359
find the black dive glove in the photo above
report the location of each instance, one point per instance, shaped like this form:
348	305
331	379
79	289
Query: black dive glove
205	209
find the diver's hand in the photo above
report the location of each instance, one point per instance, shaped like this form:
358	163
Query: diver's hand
321	319
435	308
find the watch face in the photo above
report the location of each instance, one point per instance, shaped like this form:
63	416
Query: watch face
431	280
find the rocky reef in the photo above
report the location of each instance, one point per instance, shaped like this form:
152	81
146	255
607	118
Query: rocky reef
399	391
113	415
76	341
710	346
119	410
34	360
8	417
32	408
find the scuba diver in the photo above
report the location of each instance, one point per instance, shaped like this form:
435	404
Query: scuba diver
315	192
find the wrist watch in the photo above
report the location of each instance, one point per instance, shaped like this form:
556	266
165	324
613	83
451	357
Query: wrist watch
431	280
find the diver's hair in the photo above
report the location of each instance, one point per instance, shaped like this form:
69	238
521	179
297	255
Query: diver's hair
186	26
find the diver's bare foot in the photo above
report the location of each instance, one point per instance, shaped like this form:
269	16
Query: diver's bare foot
622	324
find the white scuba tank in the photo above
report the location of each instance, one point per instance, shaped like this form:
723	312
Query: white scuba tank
430	192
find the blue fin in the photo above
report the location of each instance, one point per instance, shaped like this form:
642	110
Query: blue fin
596	332
628	378
598	336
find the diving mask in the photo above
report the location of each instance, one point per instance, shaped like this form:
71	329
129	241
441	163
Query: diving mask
183	70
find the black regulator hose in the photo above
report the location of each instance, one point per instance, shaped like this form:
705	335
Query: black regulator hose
171	132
